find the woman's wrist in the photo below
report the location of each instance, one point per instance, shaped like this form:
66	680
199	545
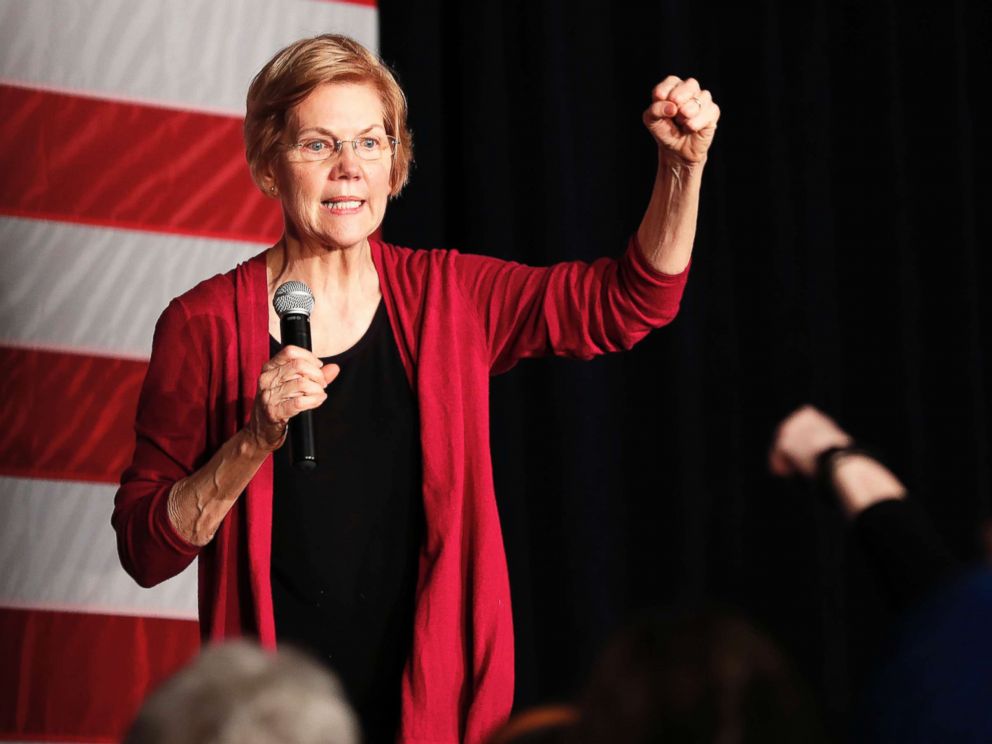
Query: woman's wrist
671	163
252	446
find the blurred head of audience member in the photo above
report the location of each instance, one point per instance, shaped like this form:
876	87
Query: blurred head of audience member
546	724
705	676
236	693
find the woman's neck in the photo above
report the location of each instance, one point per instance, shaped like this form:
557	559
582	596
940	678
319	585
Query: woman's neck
345	287
340	272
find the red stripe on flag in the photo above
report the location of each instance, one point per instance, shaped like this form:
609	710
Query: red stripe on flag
61	738
67	416
127	165
69	676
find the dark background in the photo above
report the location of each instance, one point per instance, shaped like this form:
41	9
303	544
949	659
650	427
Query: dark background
840	260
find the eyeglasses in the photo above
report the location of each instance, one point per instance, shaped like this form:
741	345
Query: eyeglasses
368	147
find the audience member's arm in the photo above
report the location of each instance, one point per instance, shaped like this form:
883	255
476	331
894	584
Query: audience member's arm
858	480
901	544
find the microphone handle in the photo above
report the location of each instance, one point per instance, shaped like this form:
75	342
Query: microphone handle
295	331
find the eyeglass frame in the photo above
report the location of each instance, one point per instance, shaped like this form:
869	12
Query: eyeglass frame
339	146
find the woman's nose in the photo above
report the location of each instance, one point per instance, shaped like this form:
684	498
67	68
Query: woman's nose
347	163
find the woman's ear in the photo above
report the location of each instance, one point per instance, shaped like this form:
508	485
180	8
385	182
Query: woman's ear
271	188
265	177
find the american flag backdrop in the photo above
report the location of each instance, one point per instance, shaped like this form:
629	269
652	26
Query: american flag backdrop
122	183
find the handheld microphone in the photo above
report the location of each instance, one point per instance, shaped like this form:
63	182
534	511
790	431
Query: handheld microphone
293	302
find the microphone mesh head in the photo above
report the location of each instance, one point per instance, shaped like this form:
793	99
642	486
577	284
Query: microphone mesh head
293	298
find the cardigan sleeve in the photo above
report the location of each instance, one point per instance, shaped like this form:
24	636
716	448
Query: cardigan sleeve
170	429
906	552
573	309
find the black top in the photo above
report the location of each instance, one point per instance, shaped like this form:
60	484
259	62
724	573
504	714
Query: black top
346	536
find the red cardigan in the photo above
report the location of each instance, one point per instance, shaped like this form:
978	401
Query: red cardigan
457	319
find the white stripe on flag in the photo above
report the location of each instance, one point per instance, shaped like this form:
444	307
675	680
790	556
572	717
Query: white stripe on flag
59	552
181	53
98	290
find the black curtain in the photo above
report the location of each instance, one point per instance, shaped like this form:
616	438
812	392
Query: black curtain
841	259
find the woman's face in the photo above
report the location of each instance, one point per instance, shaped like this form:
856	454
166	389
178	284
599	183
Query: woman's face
308	190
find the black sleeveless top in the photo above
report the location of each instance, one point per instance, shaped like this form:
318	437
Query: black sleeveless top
346	536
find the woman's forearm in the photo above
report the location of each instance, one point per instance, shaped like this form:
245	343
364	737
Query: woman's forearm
198	503
294	380
668	229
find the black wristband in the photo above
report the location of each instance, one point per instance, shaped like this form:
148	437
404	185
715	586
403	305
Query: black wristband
826	460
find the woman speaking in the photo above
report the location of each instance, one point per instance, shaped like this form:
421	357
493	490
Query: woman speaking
386	560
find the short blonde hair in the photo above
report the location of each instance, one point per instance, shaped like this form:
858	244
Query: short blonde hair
236	693
293	74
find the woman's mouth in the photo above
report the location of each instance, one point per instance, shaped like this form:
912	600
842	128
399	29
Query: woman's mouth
342	206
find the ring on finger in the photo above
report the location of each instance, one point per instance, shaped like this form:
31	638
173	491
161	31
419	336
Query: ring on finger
698	102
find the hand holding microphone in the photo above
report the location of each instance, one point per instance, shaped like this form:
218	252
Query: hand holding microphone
292	382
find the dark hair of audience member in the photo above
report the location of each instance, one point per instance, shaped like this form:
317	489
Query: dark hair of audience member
705	676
